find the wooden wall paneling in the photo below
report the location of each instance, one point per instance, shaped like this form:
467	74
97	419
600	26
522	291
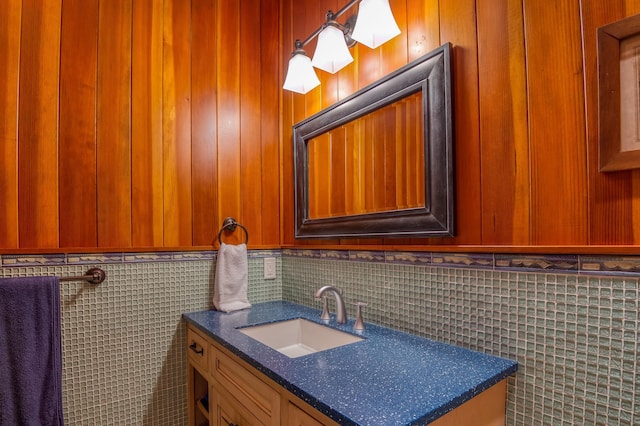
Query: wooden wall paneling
77	128
369	178
147	211
395	51
10	27
251	168
352	182
228	108
322	175
556	123
423	36
389	158
38	124
379	151
423	27
270	109
458	26
503	123
632	7
114	124
610	222
291	108
204	129
313	176
307	18
338	172
371	171
178	221
399	145
369	65
327	92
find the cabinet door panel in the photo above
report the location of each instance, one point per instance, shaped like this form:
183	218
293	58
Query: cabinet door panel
254	394
230	412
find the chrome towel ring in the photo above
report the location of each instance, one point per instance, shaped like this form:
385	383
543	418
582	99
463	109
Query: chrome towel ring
229	225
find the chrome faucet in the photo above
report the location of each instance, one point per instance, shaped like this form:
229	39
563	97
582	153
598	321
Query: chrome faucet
341	315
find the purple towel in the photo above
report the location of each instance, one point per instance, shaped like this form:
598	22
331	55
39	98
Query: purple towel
30	352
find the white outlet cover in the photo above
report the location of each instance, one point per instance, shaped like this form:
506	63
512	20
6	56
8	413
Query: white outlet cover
269	268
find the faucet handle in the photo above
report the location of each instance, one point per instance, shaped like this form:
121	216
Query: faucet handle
359	324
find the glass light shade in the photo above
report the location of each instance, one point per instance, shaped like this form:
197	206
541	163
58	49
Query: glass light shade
332	53
375	24
301	77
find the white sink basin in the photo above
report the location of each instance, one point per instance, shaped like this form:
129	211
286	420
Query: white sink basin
298	337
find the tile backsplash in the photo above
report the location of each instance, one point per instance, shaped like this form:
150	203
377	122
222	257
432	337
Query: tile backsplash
574	333
570	321
123	341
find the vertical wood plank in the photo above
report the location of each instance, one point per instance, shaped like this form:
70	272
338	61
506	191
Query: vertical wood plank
423	27
177	123
503	123
38	124
338	166
394	52
289	112
250	119
10	20
632	7
353	184
388	120
458	26
204	158
77	147
270	119
228	108
610	222
146	126
556	123
114	124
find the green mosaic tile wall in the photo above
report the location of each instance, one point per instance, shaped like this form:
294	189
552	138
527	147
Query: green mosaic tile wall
123	341
575	337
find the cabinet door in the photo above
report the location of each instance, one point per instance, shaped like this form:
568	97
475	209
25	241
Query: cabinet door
229	412
255	395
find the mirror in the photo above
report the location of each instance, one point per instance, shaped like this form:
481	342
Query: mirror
380	162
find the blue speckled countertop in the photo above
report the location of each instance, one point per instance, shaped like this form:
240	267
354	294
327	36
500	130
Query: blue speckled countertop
389	378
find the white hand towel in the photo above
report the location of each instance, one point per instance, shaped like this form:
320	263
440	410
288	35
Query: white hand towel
232	272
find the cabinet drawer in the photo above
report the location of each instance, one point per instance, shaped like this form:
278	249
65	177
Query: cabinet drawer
197	349
256	396
298	417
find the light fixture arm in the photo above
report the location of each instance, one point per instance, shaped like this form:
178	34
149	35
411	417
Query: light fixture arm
331	20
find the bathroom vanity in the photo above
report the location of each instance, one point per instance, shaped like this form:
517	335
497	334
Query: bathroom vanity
384	378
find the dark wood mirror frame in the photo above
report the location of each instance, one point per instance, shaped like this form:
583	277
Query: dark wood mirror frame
432	76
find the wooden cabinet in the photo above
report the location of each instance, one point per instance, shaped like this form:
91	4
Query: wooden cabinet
224	390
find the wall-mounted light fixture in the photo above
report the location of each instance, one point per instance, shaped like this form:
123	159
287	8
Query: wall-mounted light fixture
372	26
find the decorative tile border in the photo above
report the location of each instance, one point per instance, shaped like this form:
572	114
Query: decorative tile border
83	259
409	258
467	260
581	264
61	259
12	260
619	265
568	264
367	256
535	263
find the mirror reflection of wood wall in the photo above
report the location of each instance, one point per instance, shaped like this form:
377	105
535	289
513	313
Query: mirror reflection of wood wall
373	164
